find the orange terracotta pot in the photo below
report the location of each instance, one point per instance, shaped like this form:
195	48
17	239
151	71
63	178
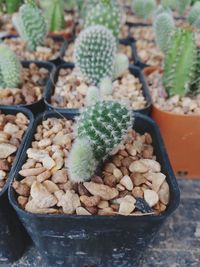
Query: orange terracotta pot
181	134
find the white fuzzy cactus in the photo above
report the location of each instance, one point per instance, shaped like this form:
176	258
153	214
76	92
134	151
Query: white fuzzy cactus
164	27
143	8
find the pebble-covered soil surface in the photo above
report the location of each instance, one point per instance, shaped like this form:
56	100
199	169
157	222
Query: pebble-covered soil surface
176	104
12	129
70	90
176	245
49	51
131	182
30	90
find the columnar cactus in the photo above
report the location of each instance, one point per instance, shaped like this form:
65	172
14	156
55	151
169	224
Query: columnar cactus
100	129
163	27
194	17
54	13
10	68
181	5
31	24
9	6
167	3
180	63
143	8
106	13
95	49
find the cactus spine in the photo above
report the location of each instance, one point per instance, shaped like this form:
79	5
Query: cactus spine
163	27
10	68
180	63
100	129
105	13
31	24
143	8
194	17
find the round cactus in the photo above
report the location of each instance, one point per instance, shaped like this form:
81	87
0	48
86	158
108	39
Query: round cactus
31	24
163	27
180	63
10	68
100	129
143	8
181	5
95	49
93	95
194	17
105	13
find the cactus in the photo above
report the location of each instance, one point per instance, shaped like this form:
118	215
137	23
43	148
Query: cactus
105	13
167	3
93	95
181	5
163	27
54	13
143	8
193	17
10	68
100	129
9	6
31	24
180	63
95	49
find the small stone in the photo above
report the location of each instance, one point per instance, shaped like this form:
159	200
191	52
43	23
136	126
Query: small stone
90	201
103	204
151	164
4	165
31	171
131	150
44	143
138	166
60	177
109	167
138	178
11	128
32	207
92	210
43	176
164	193
104	191
157	180
50	186
6	150
142	205
2	175
21	189
110	180
117	173
120	187
22	201
137	192
48	162
41	196
29	180
82	211
82	190
126	208
69	202
97	179
127	183
151	197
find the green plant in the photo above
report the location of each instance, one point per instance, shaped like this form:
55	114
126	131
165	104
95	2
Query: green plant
181	5
100	129
163	27
194	15
54	13
31	24
9	6
143	8
10	68
106	13
180	63
92	96
96	57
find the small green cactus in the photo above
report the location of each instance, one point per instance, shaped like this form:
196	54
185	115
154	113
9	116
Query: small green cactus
9	6
100	129
181	5
10	68
105	13
194	15
180	63
31	24
95	49
92	96
54	13
164	27
143	8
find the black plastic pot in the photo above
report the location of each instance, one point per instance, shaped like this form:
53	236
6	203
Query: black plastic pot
133	69
37	106
101	241
13	237
58	38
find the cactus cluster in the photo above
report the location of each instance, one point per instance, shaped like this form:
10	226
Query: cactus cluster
31	24
143	8
106	13
180	63
54	13
100	129
164	27
10	68
194	15
95	49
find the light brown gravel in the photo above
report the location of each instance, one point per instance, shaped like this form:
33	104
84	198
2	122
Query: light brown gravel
12	129
180	105
70	91
56	194
31	89
49	51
